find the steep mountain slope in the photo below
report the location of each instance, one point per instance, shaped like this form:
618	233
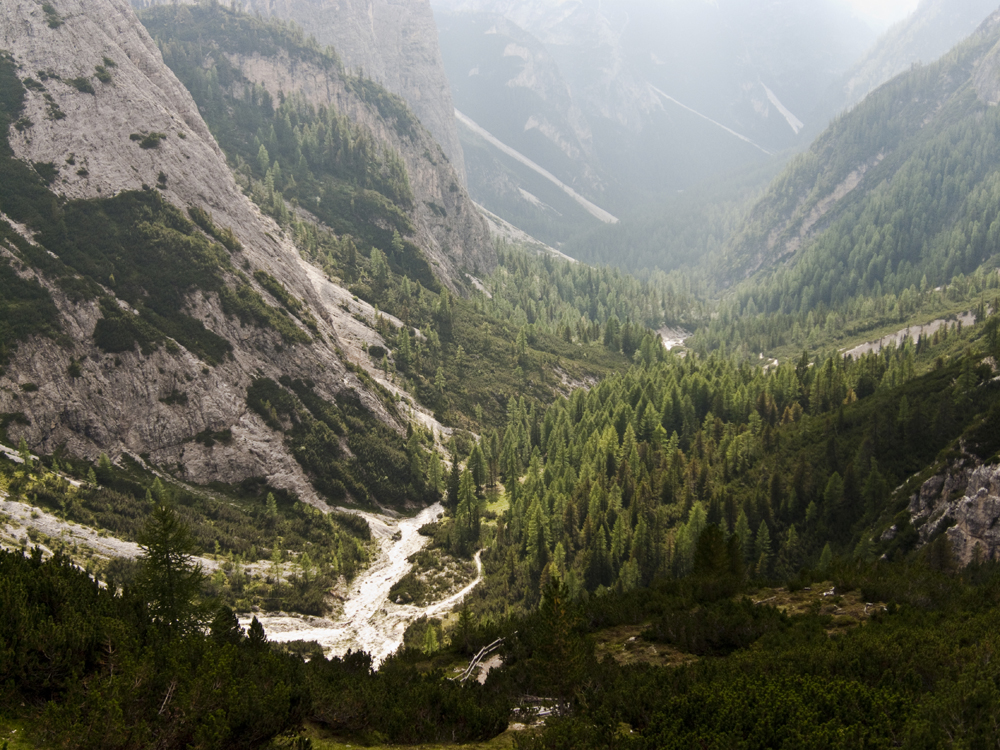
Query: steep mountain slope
657	233
890	216
446	225
516	89
930	31
130	328
393	42
626	100
916	156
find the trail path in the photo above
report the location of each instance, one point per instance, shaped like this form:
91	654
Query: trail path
369	621
912	332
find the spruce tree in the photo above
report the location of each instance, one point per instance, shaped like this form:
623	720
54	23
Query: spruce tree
825	558
454	479
169	579
745	536
762	549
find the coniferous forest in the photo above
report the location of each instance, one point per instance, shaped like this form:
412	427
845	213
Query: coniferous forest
762	538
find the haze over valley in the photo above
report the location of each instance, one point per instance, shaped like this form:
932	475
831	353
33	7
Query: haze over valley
499	373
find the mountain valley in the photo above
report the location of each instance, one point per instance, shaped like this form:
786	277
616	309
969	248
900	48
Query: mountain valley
304	445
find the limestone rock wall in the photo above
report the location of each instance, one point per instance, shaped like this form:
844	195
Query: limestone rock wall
115	405
965	503
393	42
451	231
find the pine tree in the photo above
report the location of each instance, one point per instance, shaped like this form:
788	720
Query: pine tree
454	479
430	644
745	536
825	558
789	557
477	465
169	579
263	160
464	629
561	654
24	453
434	472
762	550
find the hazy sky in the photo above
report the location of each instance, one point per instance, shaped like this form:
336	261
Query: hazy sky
881	13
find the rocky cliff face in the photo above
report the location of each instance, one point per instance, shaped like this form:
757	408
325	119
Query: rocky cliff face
85	127
393	42
965	503
450	230
931	30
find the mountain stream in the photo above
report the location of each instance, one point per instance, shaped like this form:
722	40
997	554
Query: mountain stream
369	621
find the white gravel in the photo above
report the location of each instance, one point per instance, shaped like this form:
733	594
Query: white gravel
369	621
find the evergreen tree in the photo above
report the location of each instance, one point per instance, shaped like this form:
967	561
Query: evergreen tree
454	478
825	558
477	465
434	472
745	536
790	554
169	580
762	550
430	644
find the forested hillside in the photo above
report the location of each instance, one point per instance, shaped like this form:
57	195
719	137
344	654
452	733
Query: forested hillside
888	218
897	199
346	202
612	488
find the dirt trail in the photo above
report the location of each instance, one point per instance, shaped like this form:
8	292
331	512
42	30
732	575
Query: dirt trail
913	332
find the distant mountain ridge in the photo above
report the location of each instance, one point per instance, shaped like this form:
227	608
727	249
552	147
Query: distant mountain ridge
631	100
929	32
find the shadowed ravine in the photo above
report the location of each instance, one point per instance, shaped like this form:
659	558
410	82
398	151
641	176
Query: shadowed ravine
369	621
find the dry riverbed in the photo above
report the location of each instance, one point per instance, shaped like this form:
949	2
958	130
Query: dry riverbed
370	621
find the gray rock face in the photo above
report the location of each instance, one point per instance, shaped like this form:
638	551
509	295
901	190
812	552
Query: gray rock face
450	230
119	403
394	42
930	31
966	502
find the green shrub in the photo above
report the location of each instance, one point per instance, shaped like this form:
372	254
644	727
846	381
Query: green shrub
83	85
51	16
148	140
719	628
119	331
46	170
175	398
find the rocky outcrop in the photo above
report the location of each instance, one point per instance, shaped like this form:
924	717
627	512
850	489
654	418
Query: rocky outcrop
450	230
393	42
129	402
396	45
964	504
